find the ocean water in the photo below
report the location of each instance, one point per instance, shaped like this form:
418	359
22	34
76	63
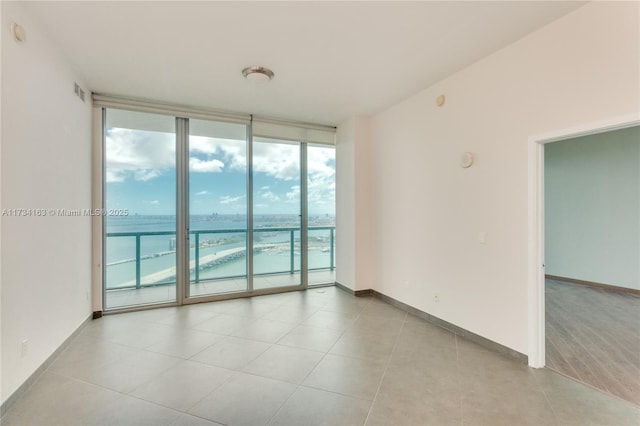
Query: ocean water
222	253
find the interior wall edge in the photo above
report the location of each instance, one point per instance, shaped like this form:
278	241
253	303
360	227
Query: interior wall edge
20	391
458	331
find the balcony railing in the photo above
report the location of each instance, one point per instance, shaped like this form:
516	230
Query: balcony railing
196	263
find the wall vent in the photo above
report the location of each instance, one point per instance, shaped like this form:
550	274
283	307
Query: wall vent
78	91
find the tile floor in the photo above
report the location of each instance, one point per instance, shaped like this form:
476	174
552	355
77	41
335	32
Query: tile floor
320	357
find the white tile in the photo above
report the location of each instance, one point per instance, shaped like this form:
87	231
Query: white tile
232	353
264	330
183	385
186	344
129	411
312	338
285	363
355	377
316	407
224	324
245	400
129	373
64	404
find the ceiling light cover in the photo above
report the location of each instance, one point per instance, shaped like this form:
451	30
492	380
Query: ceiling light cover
257	74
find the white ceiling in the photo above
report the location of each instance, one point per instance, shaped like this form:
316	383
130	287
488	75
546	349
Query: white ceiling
332	60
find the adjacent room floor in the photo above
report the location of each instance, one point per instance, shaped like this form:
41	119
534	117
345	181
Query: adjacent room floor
593	335
302	358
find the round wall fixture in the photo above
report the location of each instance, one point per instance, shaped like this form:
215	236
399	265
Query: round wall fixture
440	100
466	160
18	31
257	74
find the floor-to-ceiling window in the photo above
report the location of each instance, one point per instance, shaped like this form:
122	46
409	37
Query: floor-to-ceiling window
140	208
218	222
197	209
321	202
277	215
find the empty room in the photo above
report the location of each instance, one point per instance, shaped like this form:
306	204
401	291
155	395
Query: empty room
592	247
311	213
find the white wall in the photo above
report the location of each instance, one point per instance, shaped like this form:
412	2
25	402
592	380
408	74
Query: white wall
592	208
345	202
353	199
427	212
46	147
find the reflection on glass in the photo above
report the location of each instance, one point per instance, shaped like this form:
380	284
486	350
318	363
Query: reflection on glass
140	194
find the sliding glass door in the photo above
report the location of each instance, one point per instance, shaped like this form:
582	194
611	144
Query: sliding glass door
277	215
199	209
218	237
321	202
140	209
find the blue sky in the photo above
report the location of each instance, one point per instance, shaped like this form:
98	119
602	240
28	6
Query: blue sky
140	175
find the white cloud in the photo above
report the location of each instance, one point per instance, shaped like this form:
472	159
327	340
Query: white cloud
143	155
322	180
202	193
278	160
268	195
232	152
294	194
138	154
198	144
281	161
203	166
226	199
145	175
114	176
131	150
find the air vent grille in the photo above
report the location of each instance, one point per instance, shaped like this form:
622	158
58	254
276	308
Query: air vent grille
78	91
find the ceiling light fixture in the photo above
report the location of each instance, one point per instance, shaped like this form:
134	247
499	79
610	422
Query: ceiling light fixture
257	74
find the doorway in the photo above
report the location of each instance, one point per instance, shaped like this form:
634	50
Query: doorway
569	317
